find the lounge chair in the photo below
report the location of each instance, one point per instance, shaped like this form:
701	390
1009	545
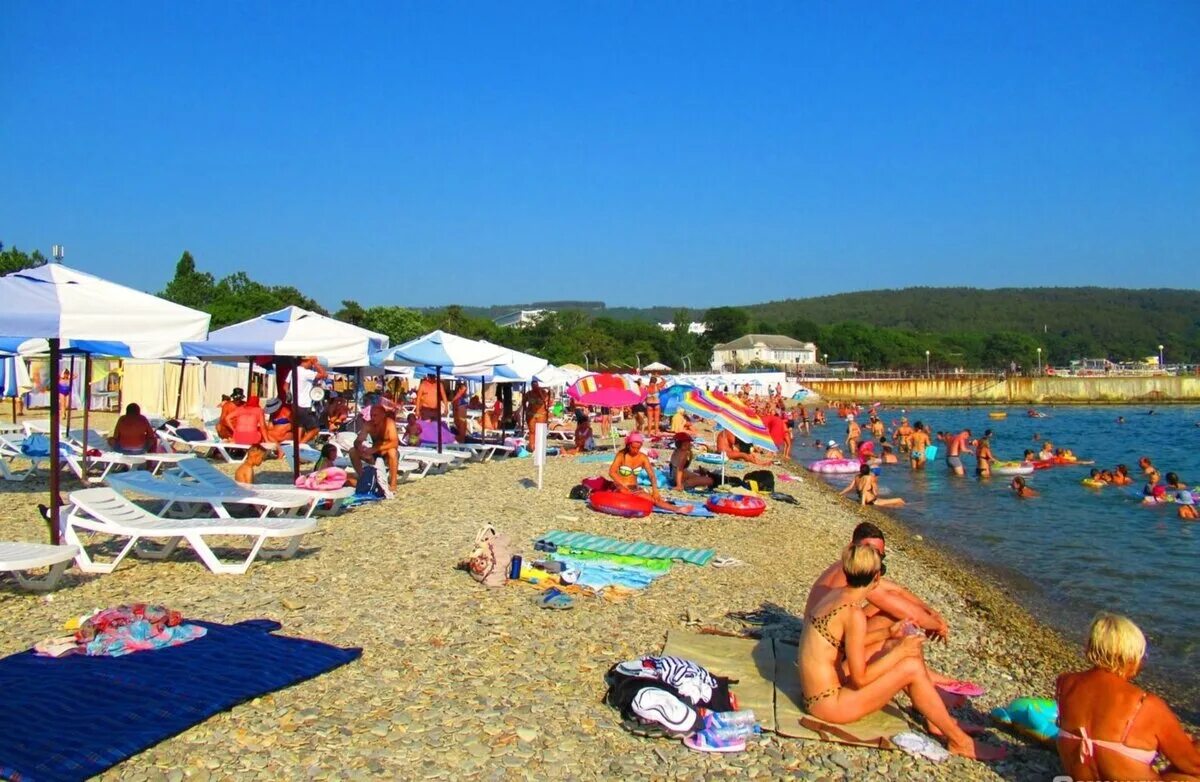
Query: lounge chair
17	558
10	451
202	473
104	512
229	452
99	465
181	499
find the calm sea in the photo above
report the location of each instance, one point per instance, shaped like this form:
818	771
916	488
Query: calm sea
1074	550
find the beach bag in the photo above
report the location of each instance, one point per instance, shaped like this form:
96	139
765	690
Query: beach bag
580	492
760	480
191	434
597	483
491	558
368	483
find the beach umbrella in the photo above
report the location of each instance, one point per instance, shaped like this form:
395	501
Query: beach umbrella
290	333
58	303
671	396
729	413
445	352
606	390
656	366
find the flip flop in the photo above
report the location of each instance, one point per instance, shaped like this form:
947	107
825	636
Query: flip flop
701	742
964	688
555	599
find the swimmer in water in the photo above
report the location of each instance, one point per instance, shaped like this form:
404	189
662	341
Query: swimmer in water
833	452
1121	476
920	441
1121	419
1029	456
1173	483
1146	465
1187	506
1022	490
1153	492
867	487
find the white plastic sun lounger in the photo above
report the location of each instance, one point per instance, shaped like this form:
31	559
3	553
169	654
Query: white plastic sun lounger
201	473
104	512
17	558
182	499
479	452
445	459
229	452
100	467
10	451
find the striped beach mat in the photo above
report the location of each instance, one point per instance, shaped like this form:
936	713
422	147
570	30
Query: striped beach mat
588	542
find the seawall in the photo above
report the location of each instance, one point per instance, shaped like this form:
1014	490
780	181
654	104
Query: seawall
980	390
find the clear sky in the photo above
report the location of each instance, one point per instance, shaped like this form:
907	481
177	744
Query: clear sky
640	153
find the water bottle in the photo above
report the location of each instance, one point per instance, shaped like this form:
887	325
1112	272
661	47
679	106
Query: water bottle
729	725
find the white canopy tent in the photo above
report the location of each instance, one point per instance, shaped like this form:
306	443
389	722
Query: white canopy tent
58	303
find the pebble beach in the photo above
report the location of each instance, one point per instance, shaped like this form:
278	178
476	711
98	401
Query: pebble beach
458	681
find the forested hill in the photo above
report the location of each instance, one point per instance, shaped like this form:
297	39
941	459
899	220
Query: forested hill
941	310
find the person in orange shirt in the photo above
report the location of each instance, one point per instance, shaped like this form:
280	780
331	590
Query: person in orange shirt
431	400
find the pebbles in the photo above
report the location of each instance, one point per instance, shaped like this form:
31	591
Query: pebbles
461	682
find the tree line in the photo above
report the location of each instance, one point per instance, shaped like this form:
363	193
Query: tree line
967	328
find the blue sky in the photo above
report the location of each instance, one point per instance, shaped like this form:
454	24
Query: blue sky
639	153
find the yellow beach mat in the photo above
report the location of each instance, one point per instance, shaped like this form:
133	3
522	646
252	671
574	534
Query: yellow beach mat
769	684
750	662
873	730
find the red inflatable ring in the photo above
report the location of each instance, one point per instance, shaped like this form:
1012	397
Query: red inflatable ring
633	506
736	504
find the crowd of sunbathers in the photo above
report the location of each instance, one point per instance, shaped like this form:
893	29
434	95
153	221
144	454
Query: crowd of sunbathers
863	642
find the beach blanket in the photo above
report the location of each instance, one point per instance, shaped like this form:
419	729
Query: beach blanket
698	509
589	458
72	718
768	683
599	574
589	542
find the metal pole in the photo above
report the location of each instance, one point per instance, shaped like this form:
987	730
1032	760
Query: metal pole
295	418
70	392
14	409
87	404
55	466
179	395
438	398
250	377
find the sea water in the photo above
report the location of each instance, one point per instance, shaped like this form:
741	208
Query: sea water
1073	550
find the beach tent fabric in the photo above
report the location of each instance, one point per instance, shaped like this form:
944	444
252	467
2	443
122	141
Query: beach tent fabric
71	718
589	542
292	332
14	376
56	301
452	354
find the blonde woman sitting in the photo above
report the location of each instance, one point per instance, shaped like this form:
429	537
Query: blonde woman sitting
835	639
1110	728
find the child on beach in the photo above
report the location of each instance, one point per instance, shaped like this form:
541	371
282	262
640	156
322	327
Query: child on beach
1022	490
255	456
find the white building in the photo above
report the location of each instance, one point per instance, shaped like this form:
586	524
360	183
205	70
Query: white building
521	318
693	327
773	349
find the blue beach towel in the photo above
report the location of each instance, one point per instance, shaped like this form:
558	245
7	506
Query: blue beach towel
72	718
698	509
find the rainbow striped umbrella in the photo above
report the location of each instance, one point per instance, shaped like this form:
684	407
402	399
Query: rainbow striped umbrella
606	391
729	413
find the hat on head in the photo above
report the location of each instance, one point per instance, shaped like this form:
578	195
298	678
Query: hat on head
684	437
634	437
273	406
237	393
832	443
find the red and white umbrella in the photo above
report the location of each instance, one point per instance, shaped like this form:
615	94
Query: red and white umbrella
606	390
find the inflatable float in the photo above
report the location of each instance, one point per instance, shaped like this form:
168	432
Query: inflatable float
736	504
615	503
997	415
1093	483
710	458
836	466
1012	468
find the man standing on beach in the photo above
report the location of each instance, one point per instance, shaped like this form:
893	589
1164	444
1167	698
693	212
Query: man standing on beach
957	446
385	441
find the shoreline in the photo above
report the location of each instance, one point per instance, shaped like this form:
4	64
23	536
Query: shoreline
457	680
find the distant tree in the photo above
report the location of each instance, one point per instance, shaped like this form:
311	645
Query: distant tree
802	329
1003	348
726	324
189	287
13	260
397	323
353	313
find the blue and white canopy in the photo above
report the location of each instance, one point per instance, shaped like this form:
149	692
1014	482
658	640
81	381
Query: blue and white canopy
291	331
58	302
16	346
450	353
14	376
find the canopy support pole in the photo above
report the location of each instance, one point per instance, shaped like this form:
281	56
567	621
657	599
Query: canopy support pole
250	377
179	393
87	404
70	392
14	409
55	466
295	419
438	373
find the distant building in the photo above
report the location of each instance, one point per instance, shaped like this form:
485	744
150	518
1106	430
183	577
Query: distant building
773	349
693	328
521	318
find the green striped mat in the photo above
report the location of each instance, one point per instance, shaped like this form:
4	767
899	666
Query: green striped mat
589	542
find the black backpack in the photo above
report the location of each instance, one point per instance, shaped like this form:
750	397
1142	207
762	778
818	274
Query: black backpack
580	492
764	478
